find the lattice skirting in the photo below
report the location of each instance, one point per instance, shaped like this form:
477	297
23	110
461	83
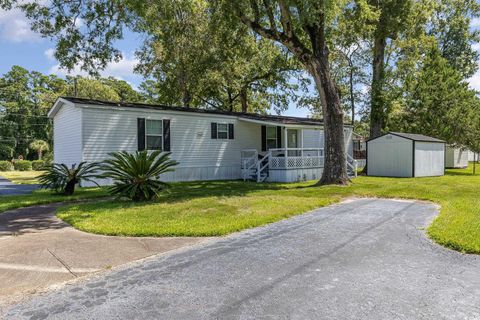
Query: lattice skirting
294	175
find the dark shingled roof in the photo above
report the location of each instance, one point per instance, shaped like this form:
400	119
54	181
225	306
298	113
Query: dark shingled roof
252	116
412	136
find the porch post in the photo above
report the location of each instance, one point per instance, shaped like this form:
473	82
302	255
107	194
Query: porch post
286	147
301	142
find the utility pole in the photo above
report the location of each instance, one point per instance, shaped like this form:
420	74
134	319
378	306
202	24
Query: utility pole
75	86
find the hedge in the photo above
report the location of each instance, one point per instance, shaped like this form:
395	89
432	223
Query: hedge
38	165
6	166
22	165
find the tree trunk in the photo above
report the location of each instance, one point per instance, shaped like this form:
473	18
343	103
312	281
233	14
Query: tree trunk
186	99
475	163
39	154
243	100
70	187
377	112
352	98
230	100
335	160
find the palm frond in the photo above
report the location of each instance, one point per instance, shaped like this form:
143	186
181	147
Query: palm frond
137	175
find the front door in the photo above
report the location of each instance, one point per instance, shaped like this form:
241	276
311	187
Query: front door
292	142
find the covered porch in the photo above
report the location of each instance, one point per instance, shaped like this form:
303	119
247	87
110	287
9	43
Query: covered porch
290	152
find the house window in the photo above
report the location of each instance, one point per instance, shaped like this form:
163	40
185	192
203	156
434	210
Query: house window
154	134
271	138
222	131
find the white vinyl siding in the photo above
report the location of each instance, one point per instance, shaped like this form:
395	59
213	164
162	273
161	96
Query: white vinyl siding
67	135
390	156
313	138
456	158
89	133
199	156
429	159
394	156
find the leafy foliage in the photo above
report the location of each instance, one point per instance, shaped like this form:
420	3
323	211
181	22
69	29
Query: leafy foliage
136	175
437	103
22	165
27	96
199	59
6	166
63	179
38	165
40	146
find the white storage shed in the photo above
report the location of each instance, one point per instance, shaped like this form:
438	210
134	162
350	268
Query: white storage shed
456	157
405	155
472	156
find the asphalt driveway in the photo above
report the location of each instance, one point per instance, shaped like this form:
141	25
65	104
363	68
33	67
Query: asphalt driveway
8	188
37	250
364	259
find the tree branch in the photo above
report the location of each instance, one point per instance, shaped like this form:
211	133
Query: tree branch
286	19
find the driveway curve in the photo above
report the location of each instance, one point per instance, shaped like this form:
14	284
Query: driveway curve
8	188
38	250
362	259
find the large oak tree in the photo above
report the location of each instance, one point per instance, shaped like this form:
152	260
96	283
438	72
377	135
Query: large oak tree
305	28
85	31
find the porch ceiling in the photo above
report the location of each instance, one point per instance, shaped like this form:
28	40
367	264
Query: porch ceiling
299	124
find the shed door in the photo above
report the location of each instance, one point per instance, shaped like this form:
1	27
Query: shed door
390	156
429	159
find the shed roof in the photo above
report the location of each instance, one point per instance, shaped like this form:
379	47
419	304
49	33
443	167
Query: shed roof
411	136
286	120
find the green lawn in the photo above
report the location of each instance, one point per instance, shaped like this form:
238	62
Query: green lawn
46	196
22	177
219	208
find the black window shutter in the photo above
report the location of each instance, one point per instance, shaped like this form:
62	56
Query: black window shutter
279	137
264	138
230	131
166	135
141	133
214	130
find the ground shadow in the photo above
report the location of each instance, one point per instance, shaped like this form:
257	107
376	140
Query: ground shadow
29	220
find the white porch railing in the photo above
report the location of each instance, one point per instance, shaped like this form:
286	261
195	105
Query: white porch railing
296	158
256	166
352	164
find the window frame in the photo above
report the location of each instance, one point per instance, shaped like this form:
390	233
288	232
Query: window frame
227	131
154	135
267	138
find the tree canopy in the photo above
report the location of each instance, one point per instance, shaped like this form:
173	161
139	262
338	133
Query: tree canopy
27	96
405	61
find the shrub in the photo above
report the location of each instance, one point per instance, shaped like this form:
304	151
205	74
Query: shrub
136	175
63	180
38	165
39	146
6	166
48	158
6	151
22	165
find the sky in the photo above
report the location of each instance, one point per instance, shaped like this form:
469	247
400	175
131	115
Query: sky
21	46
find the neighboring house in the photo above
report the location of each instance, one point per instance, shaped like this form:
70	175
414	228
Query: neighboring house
359	149
208	144
456	157
398	154
472	156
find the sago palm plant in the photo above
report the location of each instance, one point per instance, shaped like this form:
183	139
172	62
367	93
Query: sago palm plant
137	175
63	179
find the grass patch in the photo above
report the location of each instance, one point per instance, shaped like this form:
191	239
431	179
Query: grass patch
218	208
22	177
46	196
